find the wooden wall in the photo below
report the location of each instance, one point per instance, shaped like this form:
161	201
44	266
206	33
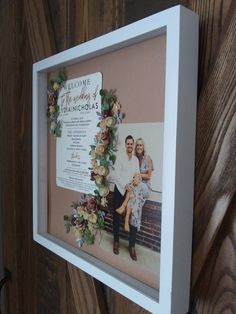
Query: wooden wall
42	282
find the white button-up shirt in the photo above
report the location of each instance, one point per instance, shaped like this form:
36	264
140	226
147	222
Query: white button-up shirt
125	169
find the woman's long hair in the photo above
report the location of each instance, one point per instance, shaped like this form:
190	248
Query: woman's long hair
140	157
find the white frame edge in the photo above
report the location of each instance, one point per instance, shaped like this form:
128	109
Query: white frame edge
181	28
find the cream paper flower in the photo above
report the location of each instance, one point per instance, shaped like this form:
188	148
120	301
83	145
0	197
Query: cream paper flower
85	215
98	136
104	191
92	218
52	109
110	121
103	125
80	210
116	107
102	171
104	202
100	149
55	86
95	169
98	179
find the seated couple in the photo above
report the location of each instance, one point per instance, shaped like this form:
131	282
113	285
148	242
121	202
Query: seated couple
132	188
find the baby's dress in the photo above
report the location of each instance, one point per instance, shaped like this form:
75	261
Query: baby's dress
136	204
140	193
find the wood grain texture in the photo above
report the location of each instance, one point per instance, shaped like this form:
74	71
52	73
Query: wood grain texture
79	281
40	30
51	292
138	9
94	18
217	292
87	292
59	20
118	304
15	156
213	15
216	151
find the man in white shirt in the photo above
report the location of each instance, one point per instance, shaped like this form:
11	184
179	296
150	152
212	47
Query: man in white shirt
126	166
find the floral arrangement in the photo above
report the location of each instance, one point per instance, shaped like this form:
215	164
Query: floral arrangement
53	109
103	151
85	220
88	215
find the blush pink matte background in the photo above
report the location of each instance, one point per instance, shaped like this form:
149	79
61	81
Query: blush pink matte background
137	73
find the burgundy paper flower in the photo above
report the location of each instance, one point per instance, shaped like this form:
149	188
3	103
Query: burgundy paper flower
106	113
92	204
105	136
51	99
92	176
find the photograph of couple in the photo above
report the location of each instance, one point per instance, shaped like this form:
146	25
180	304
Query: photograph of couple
132	176
137	186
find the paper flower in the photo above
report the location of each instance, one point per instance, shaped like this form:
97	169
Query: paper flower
85	220
98	179
103	125
53	110
110	122
100	149
116	107
92	218
103	191
88	217
102	171
56	86
104	202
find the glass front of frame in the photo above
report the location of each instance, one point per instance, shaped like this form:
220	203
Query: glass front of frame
137	73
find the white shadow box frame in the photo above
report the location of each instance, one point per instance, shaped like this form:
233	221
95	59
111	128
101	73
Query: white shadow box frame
181	28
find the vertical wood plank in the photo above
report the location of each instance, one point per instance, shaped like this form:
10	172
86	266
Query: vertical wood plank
79	281
40	29
217	292
15	156
213	16
60	22
136	10
118	304
52	295
87	292
216	151
96	17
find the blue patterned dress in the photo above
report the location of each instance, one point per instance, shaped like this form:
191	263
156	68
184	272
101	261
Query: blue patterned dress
140	193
